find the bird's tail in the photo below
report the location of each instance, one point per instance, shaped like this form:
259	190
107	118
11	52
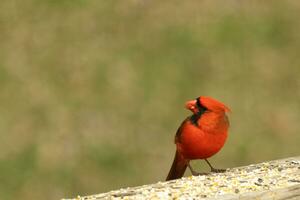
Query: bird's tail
178	167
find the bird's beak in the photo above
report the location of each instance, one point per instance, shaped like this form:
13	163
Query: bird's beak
191	105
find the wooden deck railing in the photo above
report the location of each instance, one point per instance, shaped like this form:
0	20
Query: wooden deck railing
279	179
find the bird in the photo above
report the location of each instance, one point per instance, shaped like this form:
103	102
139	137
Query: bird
200	136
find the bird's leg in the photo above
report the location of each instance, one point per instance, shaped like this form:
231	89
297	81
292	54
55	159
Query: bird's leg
194	173
212	169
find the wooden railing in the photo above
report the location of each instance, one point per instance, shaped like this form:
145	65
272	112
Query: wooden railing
279	179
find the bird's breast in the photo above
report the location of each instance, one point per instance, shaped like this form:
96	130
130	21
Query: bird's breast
204	140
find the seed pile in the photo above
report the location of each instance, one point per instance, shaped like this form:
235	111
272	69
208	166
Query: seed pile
257	178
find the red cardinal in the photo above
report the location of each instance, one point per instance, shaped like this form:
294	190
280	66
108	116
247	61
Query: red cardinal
200	136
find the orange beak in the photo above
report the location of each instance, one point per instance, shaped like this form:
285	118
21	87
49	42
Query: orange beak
191	105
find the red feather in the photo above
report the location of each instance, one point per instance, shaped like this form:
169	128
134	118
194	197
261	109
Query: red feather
201	135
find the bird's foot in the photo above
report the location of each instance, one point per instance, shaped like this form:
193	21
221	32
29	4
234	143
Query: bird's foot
199	173
212	169
218	170
194	173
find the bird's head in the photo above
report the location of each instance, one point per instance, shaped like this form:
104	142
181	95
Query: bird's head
204	103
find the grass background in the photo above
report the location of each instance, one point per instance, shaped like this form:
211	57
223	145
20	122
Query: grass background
92	92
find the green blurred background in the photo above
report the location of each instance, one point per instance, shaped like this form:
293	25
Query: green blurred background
92	92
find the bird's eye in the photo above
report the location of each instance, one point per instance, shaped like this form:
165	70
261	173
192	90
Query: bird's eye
198	102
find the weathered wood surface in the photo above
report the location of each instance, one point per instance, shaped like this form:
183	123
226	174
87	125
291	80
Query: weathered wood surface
279	179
